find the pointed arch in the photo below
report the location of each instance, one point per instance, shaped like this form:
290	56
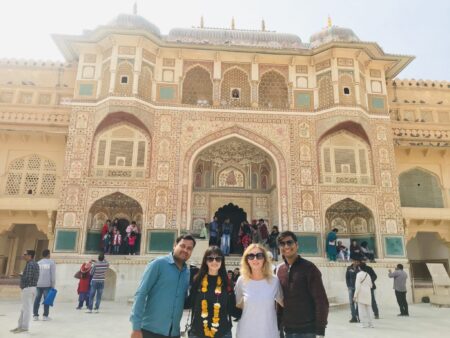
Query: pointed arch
235	78
197	87
420	188
273	90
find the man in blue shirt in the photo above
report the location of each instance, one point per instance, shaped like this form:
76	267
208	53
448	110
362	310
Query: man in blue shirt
159	300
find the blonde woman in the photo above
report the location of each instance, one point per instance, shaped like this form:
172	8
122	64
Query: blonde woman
257	290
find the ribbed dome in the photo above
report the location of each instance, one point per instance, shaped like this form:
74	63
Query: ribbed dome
132	21
333	33
235	37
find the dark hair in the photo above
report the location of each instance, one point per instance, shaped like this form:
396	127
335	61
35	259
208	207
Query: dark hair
335	230
46	253
285	234
212	250
400	266
230	271
261	220
187	237
101	257
275	227
31	253
364	244
134	222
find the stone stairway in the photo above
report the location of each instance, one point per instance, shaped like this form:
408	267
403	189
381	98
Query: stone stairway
9	288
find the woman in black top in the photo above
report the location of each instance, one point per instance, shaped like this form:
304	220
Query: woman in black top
212	298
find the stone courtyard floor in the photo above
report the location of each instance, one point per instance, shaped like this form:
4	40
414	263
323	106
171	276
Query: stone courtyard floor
112	322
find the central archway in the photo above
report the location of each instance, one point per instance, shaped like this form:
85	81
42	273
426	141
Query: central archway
279	207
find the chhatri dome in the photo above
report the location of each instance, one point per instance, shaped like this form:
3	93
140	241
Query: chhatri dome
134	21
333	34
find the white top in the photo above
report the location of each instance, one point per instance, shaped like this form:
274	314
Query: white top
363	285
259	318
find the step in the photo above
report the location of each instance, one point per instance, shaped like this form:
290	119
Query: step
8	292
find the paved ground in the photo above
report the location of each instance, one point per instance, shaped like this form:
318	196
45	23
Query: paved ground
112	322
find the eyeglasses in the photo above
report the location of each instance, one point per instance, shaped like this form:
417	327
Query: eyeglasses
287	243
211	259
258	256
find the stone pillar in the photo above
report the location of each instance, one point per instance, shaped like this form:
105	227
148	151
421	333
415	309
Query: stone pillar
254	84
357	85
335	80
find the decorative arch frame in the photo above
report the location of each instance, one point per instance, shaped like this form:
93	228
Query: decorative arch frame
190	68
243	71
231	166
286	81
187	170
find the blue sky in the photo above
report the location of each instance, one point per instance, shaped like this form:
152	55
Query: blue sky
413	27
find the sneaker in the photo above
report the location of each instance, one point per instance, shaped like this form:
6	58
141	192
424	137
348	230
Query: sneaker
20	330
96	311
89	311
35	318
46	318
14	330
377	316
353	320
78	308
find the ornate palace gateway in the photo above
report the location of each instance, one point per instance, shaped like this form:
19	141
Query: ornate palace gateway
171	130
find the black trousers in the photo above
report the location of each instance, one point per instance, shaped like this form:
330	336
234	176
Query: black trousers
401	300
148	334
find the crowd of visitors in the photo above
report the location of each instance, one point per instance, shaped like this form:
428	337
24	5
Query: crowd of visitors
120	240
336	250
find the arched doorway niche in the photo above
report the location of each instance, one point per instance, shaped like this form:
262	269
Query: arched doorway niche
236	215
353	220
237	171
116	206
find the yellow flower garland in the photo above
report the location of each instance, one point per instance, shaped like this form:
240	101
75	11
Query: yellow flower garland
210	332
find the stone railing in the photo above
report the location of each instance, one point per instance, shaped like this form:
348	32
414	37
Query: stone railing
59	118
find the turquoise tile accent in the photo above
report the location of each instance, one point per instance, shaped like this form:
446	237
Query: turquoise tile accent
303	100
160	241
378	103
308	245
167	93
66	240
93	242
394	246
86	89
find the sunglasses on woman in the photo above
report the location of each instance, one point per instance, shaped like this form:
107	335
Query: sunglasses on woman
258	256
211	259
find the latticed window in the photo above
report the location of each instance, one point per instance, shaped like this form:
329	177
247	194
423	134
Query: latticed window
273	91
124	79
326	94
345	160
32	176
145	84
121	152
346	88
235	88
197	87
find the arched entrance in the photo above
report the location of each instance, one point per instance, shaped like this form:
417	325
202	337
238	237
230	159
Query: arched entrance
353	220
237	172
116	206
237	216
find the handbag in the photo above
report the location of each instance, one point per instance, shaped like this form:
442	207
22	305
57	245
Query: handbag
77	274
187	327
50	297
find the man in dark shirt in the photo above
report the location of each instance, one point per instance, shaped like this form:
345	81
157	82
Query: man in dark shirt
305	311
373	276
28	282
350	279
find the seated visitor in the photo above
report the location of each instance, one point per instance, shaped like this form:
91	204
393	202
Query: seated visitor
355	250
367	252
342	251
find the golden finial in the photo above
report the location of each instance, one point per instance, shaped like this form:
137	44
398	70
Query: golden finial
202	22
263	25
233	26
330	24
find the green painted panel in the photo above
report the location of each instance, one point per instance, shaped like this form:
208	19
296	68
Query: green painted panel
308	245
166	93
66	240
420	189
160	241
378	103
86	89
93	242
394	246
303	100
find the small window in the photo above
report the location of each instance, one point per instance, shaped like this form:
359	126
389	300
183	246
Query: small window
124	79
346	91
235	93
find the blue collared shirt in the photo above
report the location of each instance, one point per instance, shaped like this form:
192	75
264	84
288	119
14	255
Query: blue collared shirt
159	300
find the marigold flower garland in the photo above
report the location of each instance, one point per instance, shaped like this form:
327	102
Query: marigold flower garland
210	332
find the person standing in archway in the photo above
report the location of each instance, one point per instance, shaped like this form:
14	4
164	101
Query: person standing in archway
331	245
214	232
227	230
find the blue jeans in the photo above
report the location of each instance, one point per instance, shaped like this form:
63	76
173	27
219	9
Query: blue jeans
96	288
353	311
225	244
299	335
83	297
274	252
39	293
